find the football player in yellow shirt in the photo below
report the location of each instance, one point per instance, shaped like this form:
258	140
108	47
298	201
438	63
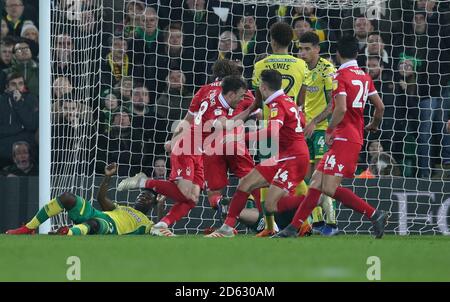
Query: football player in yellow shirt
317	108
112	220
293	71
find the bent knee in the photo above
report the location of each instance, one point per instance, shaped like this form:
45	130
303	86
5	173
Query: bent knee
94	226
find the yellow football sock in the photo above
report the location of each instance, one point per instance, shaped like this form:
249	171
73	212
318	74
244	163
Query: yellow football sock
317	214
49	210
328	207
79	229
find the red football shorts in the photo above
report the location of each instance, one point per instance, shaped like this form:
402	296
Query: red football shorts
216	168
341	160
187	167
285	173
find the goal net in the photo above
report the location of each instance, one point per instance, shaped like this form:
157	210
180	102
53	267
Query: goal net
124	71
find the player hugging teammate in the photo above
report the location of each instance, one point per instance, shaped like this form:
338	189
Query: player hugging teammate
201	144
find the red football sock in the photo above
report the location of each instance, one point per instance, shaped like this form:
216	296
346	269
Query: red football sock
237	204
289	202
257	196
214	199
351	200
306	207
178	211
166	188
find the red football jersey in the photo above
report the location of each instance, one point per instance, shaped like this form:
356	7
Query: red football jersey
283	110
215	88
357	86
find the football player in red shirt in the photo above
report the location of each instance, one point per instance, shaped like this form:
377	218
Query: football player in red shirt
187	147
352	87
233	157
282	173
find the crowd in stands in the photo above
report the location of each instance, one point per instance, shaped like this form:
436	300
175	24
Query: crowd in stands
124	71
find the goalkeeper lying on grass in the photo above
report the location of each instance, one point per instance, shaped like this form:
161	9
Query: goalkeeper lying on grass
113	219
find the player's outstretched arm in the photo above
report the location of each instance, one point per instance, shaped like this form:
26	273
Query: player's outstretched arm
378	114
105	203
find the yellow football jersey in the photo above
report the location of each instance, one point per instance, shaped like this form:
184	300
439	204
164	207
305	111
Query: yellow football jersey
318	80
292	69
130	221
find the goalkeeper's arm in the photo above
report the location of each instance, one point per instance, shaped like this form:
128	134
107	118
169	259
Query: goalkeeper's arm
105	203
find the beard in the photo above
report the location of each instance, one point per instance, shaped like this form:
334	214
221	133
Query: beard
139	107
123	132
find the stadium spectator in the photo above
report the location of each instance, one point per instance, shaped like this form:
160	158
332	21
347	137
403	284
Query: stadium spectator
123	89
229	47
18	115
174	103
382	163
174	55
146	127
302	25
147	38
362	27
134	9
24	64
23	161
30	34
117	63
14	16
4	29
109	105
252	42
121	145
140	101
160	169
375	47
63	56
201	32
6	56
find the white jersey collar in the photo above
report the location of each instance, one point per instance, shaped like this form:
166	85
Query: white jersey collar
351	63
223	102
273	96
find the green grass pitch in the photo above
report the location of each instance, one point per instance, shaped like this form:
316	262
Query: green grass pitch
243	258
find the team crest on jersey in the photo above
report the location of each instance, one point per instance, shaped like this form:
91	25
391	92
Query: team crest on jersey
188	171
218	112
340	167
273	112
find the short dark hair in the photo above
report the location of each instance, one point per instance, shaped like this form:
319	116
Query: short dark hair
282	33
225	67
12	76
348	47
310	37
233	83
272	78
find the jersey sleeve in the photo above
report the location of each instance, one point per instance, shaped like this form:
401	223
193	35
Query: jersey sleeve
328	78
196	101
339	85
276	113
256	75
303	73
372	89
